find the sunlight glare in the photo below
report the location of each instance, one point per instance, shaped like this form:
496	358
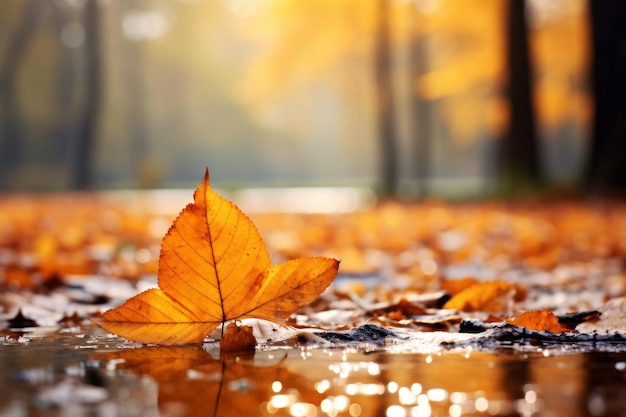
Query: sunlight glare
341	403
392	387
396	411
281	401
437	394
421	411
327	405
458	397
354	410
406	396
303	410
455	410
365	389
373	368
322	386
481	404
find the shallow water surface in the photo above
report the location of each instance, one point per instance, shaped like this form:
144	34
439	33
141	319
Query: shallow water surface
84	371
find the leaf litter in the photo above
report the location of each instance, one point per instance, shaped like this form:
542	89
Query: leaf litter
427	268
404	286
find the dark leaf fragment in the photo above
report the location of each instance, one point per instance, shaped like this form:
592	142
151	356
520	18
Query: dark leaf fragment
72	320
367	333
573	320
511	336
21	322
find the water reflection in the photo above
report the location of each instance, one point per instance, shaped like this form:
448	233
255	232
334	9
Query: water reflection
90	374
192	382
347	383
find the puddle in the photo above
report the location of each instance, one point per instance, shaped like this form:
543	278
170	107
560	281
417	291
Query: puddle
85	372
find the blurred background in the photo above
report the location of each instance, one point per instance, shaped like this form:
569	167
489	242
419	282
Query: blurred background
411	98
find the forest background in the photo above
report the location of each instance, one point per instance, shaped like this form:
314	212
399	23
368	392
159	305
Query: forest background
414	98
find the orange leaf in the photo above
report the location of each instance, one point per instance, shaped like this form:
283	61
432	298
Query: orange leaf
213	268
454	287
539	320
485	296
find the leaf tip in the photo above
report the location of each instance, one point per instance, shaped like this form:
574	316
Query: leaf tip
203	187
334	263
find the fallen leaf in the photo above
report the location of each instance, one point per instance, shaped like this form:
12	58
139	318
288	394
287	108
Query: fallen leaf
491	296
403	309
455	286
213	268
572	320
612	318
542	320
71	320
238	339
21	322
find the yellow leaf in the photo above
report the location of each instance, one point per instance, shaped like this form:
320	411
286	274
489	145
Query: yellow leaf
214	267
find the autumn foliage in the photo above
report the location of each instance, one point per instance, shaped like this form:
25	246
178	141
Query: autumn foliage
424	266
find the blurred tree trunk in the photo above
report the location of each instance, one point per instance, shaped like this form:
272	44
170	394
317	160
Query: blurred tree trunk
606	168
135	86
136	101
422	122
384	97
11	149
88	127
63	132
519	152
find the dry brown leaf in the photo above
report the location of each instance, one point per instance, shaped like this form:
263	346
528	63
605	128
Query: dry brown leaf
238	339
214	268
539	320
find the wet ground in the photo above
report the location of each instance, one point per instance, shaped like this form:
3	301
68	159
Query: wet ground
65	259
82	371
